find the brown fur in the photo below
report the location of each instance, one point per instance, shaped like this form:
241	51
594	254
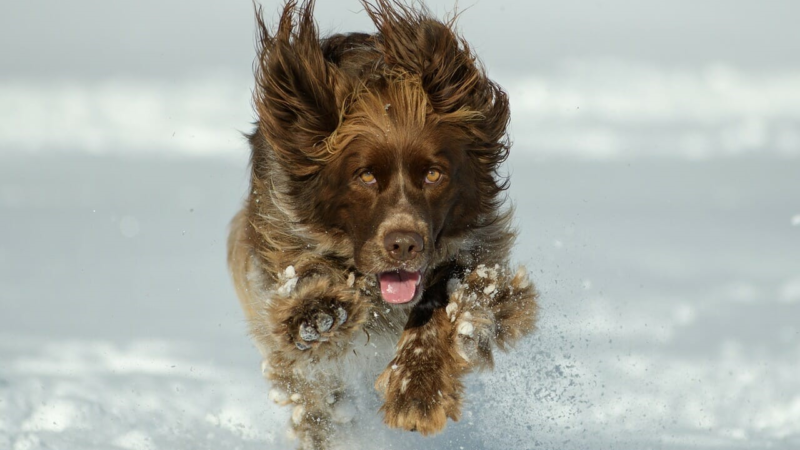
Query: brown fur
305	250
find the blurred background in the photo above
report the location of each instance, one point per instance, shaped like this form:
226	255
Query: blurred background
655	174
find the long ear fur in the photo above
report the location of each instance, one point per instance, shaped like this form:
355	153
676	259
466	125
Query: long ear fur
295	95
453	79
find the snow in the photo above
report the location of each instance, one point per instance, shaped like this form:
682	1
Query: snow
668	314
589	108
289	281
465	328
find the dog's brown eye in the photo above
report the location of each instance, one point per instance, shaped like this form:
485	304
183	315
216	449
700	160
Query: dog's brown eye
368	178
433	176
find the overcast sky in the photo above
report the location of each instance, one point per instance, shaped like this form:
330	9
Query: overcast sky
174	38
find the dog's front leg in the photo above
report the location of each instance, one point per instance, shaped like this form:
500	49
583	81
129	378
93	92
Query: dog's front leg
422	386
308	322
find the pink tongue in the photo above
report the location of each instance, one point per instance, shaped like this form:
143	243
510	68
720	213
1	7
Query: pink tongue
399	287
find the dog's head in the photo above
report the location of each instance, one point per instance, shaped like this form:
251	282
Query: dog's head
391	142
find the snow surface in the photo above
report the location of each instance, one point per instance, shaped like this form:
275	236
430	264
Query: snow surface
670	305
589	108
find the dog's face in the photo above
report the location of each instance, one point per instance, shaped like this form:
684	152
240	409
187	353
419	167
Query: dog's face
400	199
390	142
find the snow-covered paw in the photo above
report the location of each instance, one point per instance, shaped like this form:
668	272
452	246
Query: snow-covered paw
502	303
320	313
474	331
421	391
411	413
318	323
416	402
480	286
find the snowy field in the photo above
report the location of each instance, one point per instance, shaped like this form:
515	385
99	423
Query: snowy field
656	176
670	310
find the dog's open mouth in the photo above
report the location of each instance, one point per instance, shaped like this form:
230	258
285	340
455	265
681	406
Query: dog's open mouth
398	287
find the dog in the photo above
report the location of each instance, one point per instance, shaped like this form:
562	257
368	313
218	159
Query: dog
375	238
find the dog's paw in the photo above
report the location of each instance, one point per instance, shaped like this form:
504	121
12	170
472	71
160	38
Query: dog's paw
317	321
422	385
492	306
410	413
417	402
474	332
314	314
482	286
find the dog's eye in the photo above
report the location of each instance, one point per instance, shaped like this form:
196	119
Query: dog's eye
368	178
433	176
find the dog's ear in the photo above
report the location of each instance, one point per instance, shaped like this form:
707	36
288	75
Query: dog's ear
295	95
457	86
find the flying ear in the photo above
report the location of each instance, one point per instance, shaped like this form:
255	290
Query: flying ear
295	95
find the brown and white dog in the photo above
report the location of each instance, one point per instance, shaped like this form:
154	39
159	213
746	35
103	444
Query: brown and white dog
375	230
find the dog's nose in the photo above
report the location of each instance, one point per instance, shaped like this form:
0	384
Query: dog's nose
403	245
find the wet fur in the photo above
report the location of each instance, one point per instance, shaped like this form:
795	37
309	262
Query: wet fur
307	242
